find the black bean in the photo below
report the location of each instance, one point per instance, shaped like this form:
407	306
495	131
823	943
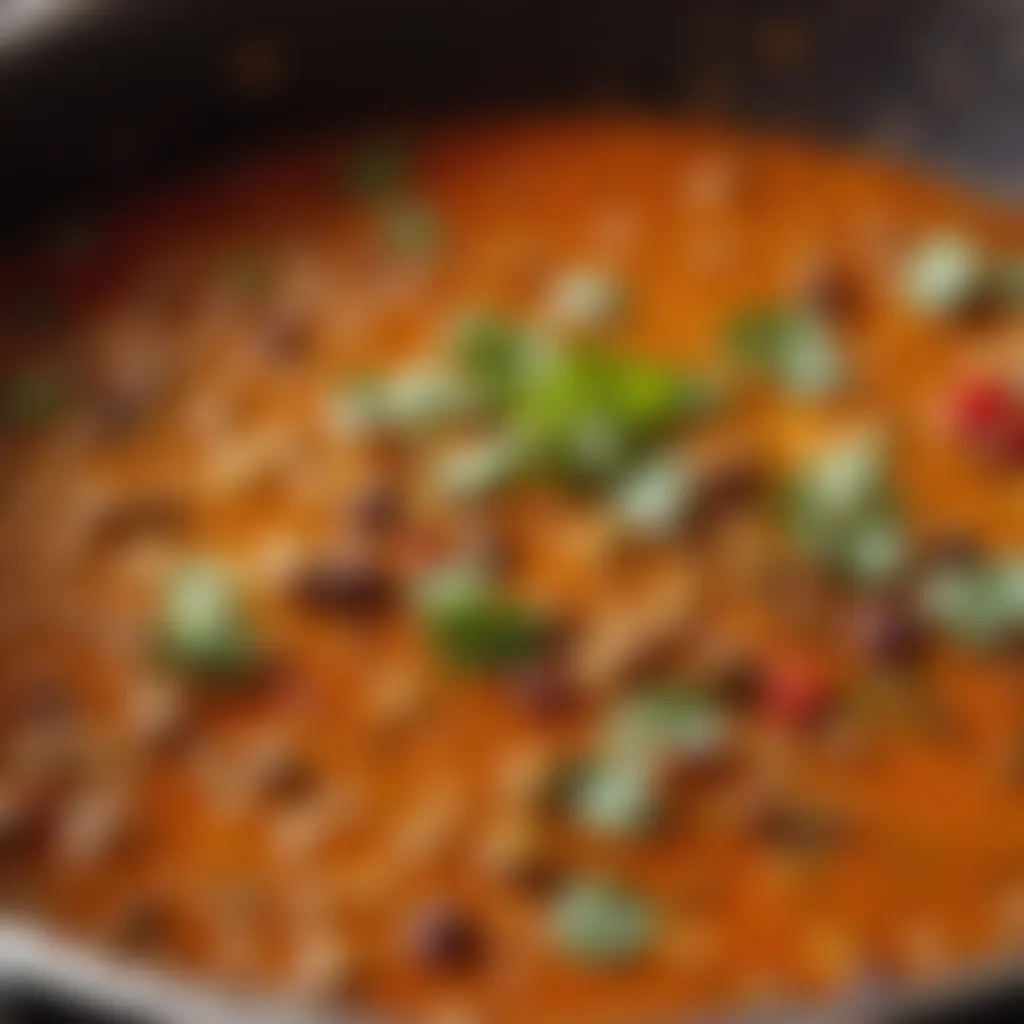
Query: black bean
22	825
42	701
951	551
120	410
727	486
981	308
445	937
377	509
283	774
835	292
346	585
735	680
887	632
126	396
797	827
141	516
283	338
546	691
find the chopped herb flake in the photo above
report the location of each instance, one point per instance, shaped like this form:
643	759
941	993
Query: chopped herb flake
484	468
590	411
588	300
653	499
841	512
419	399
494	355
944	274
669	723
980	603
616	795
203	629
794	348
473	626
603	924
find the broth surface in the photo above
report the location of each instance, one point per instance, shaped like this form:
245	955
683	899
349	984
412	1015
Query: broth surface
290	777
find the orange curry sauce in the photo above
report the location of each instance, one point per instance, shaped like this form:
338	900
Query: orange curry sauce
290	778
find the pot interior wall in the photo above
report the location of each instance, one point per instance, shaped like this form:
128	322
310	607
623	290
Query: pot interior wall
116	94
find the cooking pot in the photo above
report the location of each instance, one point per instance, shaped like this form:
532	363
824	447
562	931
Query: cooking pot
101	98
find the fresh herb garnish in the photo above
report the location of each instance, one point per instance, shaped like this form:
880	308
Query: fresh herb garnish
794	348
602	923
590	412
484	467
420	399
616	795
620	789
577	415
588	301
841	512
669	723
979	602
495	356
473	626
203	629
652	499
944	274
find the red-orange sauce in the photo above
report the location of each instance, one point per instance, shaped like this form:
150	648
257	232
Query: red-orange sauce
203	339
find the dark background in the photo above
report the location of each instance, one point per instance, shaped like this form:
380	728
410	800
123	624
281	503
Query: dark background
116	94
119	91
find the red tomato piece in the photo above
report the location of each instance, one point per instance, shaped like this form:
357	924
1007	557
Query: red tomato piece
795	692
987	414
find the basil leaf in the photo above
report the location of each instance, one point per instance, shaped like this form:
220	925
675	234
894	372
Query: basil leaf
473	626
588	412
494	355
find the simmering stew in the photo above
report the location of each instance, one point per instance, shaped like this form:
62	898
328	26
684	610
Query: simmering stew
564	571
